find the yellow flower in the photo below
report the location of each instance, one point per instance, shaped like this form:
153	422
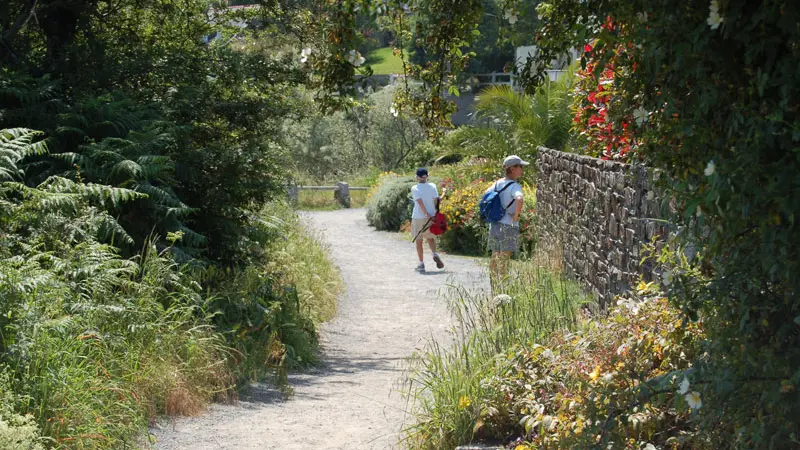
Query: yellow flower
595	373
522	447
464	402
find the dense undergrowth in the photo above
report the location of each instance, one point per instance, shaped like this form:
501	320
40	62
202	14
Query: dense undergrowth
143	266
531	369
94	345
449	380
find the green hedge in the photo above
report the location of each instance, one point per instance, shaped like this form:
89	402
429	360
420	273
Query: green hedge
391	205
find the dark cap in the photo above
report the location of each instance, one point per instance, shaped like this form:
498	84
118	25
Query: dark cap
422	172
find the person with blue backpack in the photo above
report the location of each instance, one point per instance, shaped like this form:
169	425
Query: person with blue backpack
501	206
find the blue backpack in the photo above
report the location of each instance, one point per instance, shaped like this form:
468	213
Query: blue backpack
491	207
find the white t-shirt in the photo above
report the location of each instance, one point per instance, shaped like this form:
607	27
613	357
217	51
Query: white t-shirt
428	193
506	197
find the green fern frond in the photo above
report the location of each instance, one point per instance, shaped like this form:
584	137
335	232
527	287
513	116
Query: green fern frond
192	238
65	130
160	195
109	230
15	145
175	213
126	168
58	202
91	192
70	158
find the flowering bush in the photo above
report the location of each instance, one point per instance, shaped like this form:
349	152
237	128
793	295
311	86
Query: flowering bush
602	119
619	382
468	233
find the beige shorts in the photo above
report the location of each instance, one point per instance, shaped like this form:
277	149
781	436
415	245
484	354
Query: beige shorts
419	224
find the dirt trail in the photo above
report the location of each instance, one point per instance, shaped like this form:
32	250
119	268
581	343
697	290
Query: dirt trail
351	401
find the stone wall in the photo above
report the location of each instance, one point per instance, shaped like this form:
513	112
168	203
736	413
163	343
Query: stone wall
598	214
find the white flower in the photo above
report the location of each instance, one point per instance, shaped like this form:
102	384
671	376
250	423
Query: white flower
649	446
510	16
305	54
684	386
501	299
710	168
608	377
640	115
548	354
393	110
355	58
666	280
631	305
694	400
714	19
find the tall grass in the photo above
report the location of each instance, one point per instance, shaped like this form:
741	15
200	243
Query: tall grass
97	345
303	261
94	346
446	378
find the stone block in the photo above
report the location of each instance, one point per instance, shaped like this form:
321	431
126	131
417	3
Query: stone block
612	224
619	181
650	230
629	235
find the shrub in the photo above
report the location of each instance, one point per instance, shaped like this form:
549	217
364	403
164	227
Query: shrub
17	432
345	143
613	383
467	232
302	262
390	204
95	344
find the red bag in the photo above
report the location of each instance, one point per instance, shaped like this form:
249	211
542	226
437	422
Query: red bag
439	224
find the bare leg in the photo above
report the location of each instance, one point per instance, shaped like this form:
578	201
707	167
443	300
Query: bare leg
432	245
419	248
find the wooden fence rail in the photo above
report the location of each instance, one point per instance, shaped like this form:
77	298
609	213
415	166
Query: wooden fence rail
341	192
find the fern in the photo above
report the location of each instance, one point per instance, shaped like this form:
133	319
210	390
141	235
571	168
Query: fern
93	193
15	145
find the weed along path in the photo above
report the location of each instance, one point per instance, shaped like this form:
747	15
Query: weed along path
352	400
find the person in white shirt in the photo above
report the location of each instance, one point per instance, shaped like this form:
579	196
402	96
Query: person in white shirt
426	198
504	234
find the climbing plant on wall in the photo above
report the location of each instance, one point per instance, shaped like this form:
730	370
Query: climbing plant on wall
716	88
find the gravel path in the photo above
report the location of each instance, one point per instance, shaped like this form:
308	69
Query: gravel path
351	401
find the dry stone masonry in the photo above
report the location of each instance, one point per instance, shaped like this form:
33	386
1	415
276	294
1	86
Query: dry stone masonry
598	214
